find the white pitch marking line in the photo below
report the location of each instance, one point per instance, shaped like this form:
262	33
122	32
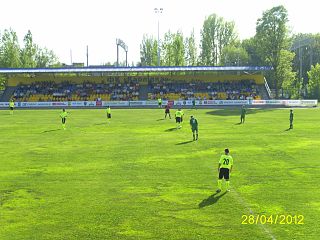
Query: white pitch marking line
245	204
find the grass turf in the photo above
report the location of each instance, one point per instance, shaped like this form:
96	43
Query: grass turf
139	178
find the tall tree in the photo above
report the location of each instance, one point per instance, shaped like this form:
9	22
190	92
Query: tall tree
45	58
10	50
167	53
287	76
215	35
251	47
307	53
178	49
227	36
173	49
148	51
314	82
191	51
234	56
272	37
28	53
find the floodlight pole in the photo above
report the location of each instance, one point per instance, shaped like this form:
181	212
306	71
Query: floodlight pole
127	58
307	42
158	12
120	43
71	56
87	56
117	52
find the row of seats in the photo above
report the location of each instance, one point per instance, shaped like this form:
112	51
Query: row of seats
111	91
67	91
73	97
232	90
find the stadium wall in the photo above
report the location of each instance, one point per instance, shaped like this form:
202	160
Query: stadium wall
146	104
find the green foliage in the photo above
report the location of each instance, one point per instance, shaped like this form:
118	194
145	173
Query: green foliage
286	76
148	51
191	52
45	57
9	50
251	47
3	80
178	49
314	82
30	56
167	53
234	56
307	49
216	33
272	37
173	49
28	53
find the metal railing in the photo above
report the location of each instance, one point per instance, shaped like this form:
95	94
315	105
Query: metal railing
267	87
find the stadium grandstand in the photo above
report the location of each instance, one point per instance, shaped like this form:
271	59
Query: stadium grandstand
135	83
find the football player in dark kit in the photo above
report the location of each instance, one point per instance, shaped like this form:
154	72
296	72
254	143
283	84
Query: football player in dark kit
243	114
291	119
194	127
167	111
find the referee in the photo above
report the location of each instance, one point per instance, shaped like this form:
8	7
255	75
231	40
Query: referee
224	169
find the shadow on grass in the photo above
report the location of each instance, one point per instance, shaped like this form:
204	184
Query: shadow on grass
161	119
238	123
288	129
52	130
237	111
186	142
171	129
214	198
103	123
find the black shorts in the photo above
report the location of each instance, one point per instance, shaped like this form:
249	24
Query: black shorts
108	115
178	119
224	173
159	103
194	129
63	120
11	108
167	111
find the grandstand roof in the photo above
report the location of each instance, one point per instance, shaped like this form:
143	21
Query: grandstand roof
130	69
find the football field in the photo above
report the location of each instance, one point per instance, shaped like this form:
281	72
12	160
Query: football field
138	177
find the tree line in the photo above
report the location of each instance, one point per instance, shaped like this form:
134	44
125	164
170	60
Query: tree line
30	55
292	57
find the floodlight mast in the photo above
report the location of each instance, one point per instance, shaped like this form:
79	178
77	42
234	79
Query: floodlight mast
121	43
158	12
299	45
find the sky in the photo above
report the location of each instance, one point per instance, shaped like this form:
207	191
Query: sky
68	26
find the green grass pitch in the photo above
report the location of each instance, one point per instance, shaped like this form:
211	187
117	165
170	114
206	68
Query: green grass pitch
139	178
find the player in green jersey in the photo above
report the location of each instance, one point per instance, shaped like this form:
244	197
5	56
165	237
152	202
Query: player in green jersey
63	116
243	114
178	116
182	114
159	102
291	119
194	103
11	106
194	127
108	114
224	169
